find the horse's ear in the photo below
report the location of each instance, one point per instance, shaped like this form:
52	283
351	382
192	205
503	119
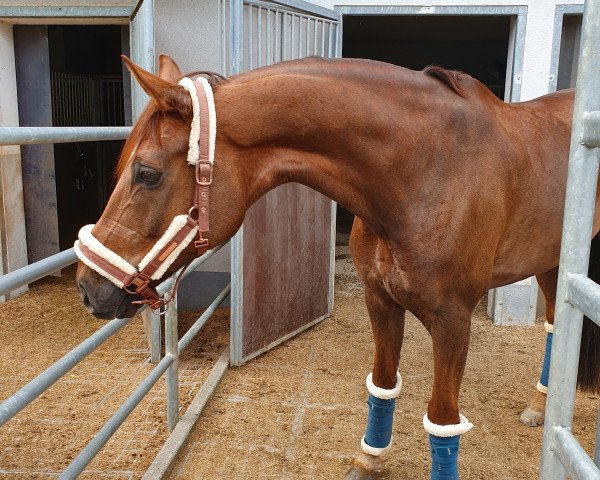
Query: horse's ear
167	69
167	95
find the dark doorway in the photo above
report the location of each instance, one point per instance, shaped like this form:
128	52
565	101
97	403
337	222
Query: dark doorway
477	45
87	90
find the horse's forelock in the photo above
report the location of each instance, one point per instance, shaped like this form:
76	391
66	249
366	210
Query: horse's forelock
146	126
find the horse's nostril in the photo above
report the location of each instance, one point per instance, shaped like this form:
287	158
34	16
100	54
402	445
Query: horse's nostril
83	294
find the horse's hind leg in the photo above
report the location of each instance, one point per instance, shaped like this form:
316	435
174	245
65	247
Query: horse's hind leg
533	415
387	321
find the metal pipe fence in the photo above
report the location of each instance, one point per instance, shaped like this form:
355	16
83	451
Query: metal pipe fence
576	294
169	363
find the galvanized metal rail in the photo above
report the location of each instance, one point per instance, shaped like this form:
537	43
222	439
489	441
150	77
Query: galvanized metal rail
562	455
28	393
35	135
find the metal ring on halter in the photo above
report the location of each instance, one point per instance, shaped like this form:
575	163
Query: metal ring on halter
161	310
157	311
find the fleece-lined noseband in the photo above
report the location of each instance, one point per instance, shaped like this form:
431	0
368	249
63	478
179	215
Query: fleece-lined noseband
183	228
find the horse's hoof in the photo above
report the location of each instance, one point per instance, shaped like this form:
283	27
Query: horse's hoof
365	467
532	418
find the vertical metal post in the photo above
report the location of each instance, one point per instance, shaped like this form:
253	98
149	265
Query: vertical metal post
259	32
236	26
307	46
268	40
277	36
300	41
250	37
597	443
172	373
141	31
152	328
284	34
575	247
142	50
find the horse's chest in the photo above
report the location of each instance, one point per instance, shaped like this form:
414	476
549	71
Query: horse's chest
393	278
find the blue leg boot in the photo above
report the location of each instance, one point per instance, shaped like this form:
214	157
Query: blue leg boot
381	402
542	385
533	415
444	457
444	441
378	435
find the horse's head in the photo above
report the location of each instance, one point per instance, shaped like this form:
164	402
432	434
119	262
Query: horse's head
156	184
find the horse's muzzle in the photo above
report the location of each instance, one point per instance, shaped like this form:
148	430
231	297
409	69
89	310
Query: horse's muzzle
102	298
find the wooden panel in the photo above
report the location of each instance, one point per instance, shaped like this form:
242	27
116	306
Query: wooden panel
287	241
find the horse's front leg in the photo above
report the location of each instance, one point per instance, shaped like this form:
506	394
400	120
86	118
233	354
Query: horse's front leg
450	335
383	384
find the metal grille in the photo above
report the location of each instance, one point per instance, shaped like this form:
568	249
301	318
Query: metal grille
562	454
273	33
86	100
258	33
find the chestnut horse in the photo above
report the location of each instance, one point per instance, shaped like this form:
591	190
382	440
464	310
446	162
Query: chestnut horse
454	192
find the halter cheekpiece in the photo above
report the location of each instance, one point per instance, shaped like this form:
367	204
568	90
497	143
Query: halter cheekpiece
183	228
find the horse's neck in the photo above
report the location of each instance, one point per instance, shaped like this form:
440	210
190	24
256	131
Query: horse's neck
347	140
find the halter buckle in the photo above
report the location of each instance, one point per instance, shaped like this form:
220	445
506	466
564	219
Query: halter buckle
204	174
139	281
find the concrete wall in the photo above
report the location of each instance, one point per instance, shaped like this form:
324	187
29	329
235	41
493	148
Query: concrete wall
189	31
13	250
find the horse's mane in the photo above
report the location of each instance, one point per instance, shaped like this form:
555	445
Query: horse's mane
450	77
149	122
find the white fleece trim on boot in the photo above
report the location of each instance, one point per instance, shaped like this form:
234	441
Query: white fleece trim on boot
447	430
193	147
87	238
541	388
382	393
177	224
376	452
548	327
95	267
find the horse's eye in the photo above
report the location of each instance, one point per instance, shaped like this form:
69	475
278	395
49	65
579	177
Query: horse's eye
148	176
